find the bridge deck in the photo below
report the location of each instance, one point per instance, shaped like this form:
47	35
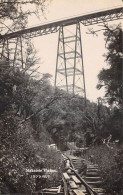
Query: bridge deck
52	27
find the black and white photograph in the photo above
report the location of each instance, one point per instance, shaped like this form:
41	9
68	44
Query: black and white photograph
61	95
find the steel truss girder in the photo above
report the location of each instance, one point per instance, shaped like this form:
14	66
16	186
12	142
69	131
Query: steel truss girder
102	19
52	27
41	32
69	66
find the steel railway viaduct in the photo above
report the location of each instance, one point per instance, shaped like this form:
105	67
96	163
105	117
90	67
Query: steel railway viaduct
69	64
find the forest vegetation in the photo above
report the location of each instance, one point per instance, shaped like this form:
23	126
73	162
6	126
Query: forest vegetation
34	115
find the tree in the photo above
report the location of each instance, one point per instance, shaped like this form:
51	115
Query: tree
14	15
20	150
23	144
111	78
13	9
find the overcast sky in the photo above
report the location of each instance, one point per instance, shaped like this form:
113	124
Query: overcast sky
93	46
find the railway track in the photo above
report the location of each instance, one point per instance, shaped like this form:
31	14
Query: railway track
81	184
75	182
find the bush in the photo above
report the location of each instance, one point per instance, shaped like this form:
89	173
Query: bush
110	162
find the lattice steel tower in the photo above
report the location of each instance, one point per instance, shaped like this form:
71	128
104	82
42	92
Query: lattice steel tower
69	66
12	51
69	74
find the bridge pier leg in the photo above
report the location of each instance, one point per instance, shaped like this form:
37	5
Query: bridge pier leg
69	74
11	51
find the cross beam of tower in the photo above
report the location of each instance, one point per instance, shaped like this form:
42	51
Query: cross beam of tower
69	66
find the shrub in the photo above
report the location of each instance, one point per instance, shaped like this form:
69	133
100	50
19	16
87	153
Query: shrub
110	163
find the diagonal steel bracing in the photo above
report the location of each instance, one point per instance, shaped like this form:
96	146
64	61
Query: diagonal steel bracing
69	65
11	51
52	27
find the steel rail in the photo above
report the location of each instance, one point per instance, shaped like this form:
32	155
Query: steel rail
88	187
52	27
